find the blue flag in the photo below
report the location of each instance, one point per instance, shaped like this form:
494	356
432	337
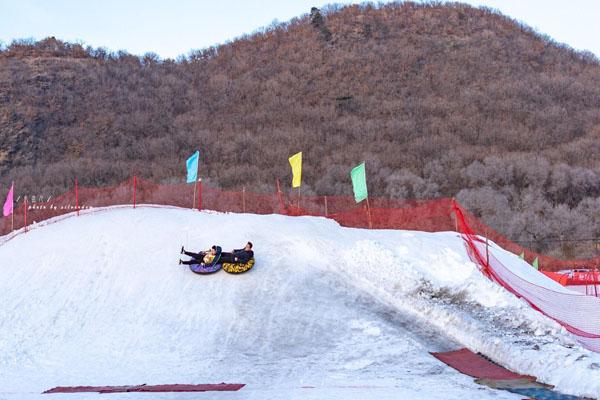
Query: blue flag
192	167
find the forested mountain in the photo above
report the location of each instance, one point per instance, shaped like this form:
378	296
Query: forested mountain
438	99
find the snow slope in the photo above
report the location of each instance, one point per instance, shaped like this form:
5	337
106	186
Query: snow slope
327	312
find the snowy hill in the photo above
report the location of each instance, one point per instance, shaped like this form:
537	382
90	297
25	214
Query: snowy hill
350	313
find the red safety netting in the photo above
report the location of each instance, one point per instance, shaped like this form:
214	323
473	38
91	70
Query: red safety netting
423	215
578	313
546	262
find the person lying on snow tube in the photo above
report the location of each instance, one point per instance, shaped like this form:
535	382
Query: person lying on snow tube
239	261
238	256
203	257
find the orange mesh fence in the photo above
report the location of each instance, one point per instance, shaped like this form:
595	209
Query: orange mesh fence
545	262
423	215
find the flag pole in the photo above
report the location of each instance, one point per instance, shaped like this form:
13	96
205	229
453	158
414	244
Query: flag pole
195	185
244	199
200	194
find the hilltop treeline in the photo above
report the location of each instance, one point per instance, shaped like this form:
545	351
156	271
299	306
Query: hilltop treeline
438	99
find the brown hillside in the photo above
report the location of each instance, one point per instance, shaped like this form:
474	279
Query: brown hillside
440	100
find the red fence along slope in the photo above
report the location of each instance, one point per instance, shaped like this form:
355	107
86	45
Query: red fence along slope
423	215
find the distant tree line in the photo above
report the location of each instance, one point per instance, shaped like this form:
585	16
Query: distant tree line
438	99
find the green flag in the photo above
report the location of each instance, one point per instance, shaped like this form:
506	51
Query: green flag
522	256
359	182
536	263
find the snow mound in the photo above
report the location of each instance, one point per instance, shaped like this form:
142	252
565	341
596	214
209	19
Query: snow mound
100	300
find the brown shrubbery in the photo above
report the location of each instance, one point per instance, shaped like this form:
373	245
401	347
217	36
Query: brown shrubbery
439	100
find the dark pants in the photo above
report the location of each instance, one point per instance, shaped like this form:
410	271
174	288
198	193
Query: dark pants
194	255
228	258
197	258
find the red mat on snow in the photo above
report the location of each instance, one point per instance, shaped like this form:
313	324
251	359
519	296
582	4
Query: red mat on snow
469	363
220	387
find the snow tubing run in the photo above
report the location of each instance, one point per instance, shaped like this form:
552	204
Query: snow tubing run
205	269
238	268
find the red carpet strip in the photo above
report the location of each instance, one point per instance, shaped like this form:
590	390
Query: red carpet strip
469	363
220	387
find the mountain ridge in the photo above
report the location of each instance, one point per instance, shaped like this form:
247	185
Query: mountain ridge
438	99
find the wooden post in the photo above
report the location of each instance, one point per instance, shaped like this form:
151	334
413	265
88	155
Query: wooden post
326	212
595	282
25	213
276	194
244	199
281	207
454	216
12	220
76	197
200	194
487	251
369	214
134	189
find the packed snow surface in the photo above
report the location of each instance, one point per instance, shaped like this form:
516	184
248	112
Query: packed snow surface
327	312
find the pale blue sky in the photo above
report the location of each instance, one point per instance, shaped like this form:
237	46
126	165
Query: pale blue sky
171	28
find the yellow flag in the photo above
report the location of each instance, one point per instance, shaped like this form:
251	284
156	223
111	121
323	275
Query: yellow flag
296	163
